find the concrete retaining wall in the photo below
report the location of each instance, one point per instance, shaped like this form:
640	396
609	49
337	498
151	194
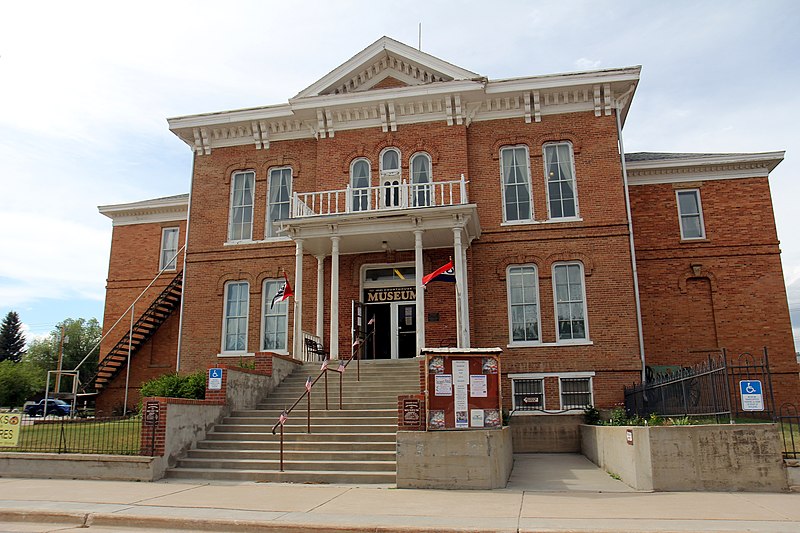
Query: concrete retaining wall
741	457
474	459
78	466
546	433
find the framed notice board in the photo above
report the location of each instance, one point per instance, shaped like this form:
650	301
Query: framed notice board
463	388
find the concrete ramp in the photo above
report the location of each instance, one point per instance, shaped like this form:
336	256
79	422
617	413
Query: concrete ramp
561	472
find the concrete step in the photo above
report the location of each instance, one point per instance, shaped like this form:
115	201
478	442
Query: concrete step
307	437
280	405
249	464
294	444
300	415
299	426
315	413
288	476
334	456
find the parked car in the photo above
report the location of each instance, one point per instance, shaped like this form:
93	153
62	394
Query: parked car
54	407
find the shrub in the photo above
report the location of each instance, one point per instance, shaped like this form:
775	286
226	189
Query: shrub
192	386
591	416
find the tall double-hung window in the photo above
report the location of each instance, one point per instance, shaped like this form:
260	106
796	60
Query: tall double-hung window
359	184
390	177
234	325
523	303
560	176
570	300
169	249
420	180
690	211
515	170
240	227
276	318
279	198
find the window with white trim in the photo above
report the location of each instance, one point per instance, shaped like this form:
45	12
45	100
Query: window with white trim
523	303
420	179
234	324
690	212
275	324
527	394
559	167
359	184
240	227
390	177
279	198
515	171
169	249
570	301
576	393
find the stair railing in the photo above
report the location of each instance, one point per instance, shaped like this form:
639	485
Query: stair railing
130	308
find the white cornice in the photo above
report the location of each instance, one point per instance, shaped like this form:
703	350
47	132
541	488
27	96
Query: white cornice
172	208
375	95
675	168
571	79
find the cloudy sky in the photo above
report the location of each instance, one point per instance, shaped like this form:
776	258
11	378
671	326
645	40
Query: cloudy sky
86	87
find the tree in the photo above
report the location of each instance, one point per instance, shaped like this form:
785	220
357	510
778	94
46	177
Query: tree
80	335
19	382
12	341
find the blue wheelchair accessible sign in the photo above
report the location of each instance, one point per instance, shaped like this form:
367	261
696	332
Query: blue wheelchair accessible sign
752	397
214	379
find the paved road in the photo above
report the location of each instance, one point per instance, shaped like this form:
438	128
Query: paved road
567	494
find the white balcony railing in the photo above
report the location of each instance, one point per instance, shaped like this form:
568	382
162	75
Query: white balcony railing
393	194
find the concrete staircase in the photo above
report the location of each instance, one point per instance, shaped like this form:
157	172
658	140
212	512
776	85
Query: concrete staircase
352	445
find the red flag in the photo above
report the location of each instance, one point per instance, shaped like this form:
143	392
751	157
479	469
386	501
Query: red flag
283	292
371	321
283	418
342	366
308	384
325	365
443	273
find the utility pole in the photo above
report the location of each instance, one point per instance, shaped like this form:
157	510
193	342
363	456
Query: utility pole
60	361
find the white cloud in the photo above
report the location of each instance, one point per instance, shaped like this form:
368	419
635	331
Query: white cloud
584	63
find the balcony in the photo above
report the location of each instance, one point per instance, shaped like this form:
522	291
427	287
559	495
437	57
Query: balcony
391	196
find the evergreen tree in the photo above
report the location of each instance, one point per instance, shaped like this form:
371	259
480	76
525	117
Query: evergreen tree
12	341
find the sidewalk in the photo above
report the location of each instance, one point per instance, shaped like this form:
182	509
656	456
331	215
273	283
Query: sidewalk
572	495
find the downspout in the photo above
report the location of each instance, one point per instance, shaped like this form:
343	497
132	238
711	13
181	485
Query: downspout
185	253
620	103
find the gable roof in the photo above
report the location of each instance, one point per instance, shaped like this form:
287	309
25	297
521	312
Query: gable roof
383	59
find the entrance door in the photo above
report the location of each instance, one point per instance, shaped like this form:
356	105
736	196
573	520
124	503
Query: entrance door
406	330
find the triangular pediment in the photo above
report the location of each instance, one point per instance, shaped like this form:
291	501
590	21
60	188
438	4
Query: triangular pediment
386	63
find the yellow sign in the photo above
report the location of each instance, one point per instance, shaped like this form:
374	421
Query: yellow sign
9	428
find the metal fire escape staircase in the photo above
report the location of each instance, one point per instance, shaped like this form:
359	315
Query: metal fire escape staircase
142	330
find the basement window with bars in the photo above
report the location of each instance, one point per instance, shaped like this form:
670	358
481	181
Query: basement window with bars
528	394
576	393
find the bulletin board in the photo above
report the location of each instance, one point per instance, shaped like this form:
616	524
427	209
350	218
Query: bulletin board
463	389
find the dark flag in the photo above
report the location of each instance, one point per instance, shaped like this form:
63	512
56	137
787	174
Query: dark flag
444	273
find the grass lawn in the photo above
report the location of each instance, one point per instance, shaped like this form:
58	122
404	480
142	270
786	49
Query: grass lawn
113	436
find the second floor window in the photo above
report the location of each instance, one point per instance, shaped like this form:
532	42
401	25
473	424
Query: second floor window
560	176
523	303
516	184
359	184
240	227
280	194
690	212
420	180
390	177
234	325
169	249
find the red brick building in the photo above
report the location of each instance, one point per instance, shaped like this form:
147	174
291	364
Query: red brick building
397	162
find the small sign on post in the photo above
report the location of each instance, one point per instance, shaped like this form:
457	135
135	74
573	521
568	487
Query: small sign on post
412	412
9	429
214	379
152	412
752	395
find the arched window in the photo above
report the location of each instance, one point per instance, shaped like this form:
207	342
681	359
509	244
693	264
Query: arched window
390	177
360	183
420	179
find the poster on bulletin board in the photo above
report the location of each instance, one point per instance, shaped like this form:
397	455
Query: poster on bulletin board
463	388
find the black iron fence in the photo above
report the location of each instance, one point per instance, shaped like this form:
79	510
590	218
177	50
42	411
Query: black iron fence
112	435
789	421
708	389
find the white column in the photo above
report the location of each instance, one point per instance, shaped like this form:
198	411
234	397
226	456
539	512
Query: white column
333	345
418	273
465	300
457	258
298	300
320	296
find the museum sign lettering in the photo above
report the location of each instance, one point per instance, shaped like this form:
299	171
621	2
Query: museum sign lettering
390	294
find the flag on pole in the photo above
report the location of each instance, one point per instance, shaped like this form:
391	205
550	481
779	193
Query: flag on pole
443	273
308	384
283	292
356	343
342	366
325	364
371	321
283	418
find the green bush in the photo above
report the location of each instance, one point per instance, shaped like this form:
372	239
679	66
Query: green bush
192	386
591	416
18	382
